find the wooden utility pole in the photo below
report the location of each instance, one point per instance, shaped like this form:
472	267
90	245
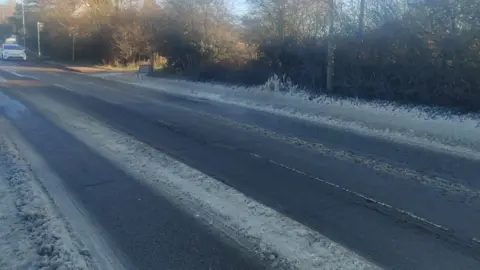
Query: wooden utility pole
74	31
118	8
453	19
24	27
361	19
453	16
39	30
330	47
282	20
73	47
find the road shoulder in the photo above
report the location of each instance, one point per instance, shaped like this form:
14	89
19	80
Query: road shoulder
43	226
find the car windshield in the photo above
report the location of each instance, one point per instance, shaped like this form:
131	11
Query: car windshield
12	47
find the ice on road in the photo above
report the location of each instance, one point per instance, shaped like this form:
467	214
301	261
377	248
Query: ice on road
433	128
258	228
33	234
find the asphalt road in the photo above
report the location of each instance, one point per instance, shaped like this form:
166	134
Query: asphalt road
400	206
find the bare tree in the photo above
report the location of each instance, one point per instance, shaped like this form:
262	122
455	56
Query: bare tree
132	41
301	19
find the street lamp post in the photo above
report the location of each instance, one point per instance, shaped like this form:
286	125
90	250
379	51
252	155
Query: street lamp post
39	30
24	29
73	45
73	32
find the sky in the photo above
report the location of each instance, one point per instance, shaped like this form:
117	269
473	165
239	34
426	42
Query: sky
239	6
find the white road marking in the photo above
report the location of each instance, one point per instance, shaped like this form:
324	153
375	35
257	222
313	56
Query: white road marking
437	183
80	92
385	205
252	225
14	72
90	84
64	87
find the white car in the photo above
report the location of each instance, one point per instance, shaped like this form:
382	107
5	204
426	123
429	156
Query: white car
13	51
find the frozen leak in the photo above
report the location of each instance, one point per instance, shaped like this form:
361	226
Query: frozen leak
427	127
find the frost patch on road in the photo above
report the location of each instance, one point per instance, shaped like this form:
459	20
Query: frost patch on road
32	234
439	183
12	108
275	238
426	127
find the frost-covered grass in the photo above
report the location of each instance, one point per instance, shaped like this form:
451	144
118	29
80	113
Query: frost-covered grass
425	126
32	234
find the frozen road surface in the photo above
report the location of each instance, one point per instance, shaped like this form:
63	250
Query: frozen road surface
101	174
